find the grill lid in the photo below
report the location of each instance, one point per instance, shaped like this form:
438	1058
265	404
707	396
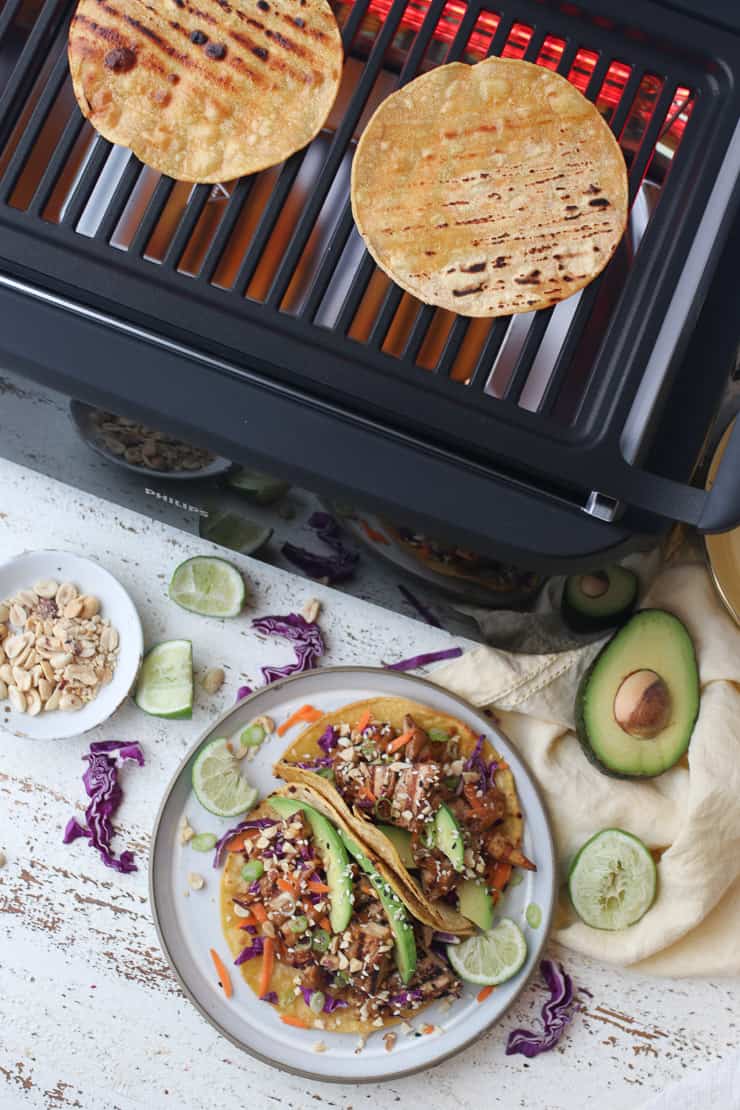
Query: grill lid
270	274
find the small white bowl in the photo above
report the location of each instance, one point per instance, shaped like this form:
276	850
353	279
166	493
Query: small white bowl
115	605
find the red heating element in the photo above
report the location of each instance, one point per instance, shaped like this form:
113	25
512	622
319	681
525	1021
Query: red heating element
516	45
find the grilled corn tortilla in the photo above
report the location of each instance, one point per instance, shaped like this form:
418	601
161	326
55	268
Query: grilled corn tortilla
206	90
489	189
393	710
283	978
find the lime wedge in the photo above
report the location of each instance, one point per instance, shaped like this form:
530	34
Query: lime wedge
490	958
208	586
218	783
165	686
235	531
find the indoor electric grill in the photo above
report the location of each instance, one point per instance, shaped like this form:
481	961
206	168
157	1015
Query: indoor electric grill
248	318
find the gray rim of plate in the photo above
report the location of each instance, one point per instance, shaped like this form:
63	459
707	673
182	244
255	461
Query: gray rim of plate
416	682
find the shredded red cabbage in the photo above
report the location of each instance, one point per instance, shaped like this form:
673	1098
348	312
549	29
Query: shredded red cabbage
330	1004
337	567
328	740
421	660
557	1013
315	764
220	845
271	997
249	953
445	938
243	692
104	791
308	643
424	612
476	762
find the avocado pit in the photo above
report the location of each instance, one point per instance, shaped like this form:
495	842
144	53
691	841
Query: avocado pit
594	585
642	705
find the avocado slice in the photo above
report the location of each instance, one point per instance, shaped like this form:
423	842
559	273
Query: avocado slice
637	703
474	902
448	837
333	856
599	600
401	841
398	918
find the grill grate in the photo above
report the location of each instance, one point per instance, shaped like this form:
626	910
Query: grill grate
547	392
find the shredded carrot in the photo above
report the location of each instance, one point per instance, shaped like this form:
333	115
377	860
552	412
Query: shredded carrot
268	962
367	793
286	886
400	741
237	843
259	912
483	994
364	720
325	923
222	973
373	534
473	798
501	875
288	1019
427	1028
248	922
305	713
318	888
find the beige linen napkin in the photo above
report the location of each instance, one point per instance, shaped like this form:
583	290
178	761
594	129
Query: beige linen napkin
692	815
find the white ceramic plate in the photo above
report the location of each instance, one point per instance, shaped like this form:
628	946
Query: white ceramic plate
188	923
115	605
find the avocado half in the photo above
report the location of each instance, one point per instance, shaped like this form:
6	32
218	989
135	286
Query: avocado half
600	599
637	704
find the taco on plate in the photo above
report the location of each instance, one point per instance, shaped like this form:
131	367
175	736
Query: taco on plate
427	795
321	929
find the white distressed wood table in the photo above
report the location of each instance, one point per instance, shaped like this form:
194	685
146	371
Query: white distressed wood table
90	1015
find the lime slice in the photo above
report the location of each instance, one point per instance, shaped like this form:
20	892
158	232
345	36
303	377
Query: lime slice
209	586
262	487
165	686
490	958
218	783
612	880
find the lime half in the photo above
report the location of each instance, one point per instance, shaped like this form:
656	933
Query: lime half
208	586
612	880
218	782
490	958
165	686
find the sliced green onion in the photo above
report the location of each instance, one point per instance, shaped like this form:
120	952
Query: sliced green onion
340	979
203	842
427	835
298	924
303	944
438	735
253	870
452	782
251	736
516	878
533	914
318	998
321	940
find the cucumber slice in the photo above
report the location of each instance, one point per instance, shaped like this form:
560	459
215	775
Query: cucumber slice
165	686
474	902
218	783
208	586
401	841
612	880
